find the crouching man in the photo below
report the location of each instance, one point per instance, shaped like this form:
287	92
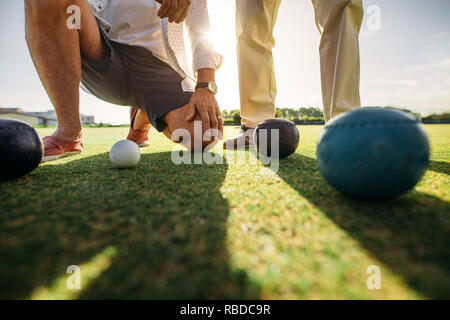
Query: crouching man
128	53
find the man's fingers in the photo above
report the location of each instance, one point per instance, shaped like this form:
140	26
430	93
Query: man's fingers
219	116
221	128
185	12
204	115
213	120
214	125
191	113
175	10
220	120
172	9
177	14
162	12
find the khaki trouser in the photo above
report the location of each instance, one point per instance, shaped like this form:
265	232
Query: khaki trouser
339	22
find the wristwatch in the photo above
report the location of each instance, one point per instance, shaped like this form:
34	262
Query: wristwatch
210	86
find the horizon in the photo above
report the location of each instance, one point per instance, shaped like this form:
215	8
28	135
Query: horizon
420	116
405	59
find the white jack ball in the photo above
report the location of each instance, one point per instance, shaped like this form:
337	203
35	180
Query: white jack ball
125	154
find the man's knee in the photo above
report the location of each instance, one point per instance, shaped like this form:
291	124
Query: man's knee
255	21
194	138
37	10
328	12
336	3
339	5
191	134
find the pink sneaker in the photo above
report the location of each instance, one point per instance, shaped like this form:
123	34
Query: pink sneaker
55	148
140	137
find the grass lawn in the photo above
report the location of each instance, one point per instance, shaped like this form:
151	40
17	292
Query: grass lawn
235	230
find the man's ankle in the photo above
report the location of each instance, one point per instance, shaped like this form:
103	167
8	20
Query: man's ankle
141	122
68	134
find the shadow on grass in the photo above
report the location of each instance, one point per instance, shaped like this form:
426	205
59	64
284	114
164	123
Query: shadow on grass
165	224
440	166
410	234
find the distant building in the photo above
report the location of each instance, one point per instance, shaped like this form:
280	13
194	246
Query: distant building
19	114
49	117
87	119
38	118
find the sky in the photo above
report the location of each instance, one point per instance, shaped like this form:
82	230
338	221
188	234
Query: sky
405	58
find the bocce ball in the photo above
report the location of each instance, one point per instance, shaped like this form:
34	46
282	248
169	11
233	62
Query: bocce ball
286	139
21	149
125	154
373	152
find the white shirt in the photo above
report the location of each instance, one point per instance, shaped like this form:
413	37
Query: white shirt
135	23
198	30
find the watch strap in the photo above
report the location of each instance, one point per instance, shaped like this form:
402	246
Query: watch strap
202	85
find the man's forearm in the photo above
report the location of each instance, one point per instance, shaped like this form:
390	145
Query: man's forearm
206	75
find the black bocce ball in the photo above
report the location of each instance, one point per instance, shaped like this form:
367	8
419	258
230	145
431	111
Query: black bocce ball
288	137
21	149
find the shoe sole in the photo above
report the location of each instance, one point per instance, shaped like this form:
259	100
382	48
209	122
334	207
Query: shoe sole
60	156
144	144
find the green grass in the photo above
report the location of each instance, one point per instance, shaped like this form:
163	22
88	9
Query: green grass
235	230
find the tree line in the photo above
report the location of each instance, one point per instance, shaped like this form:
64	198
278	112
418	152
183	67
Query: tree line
312	115
301	115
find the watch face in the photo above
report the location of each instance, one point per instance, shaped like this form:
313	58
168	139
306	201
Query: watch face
212	87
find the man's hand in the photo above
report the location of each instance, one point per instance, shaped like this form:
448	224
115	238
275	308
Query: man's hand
204	102
175	10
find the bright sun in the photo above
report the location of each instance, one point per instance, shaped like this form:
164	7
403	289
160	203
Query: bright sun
222	17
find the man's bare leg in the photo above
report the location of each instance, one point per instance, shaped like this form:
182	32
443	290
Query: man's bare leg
141	121
56	54
139	127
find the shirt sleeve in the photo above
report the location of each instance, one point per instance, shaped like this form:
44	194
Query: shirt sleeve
198	29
